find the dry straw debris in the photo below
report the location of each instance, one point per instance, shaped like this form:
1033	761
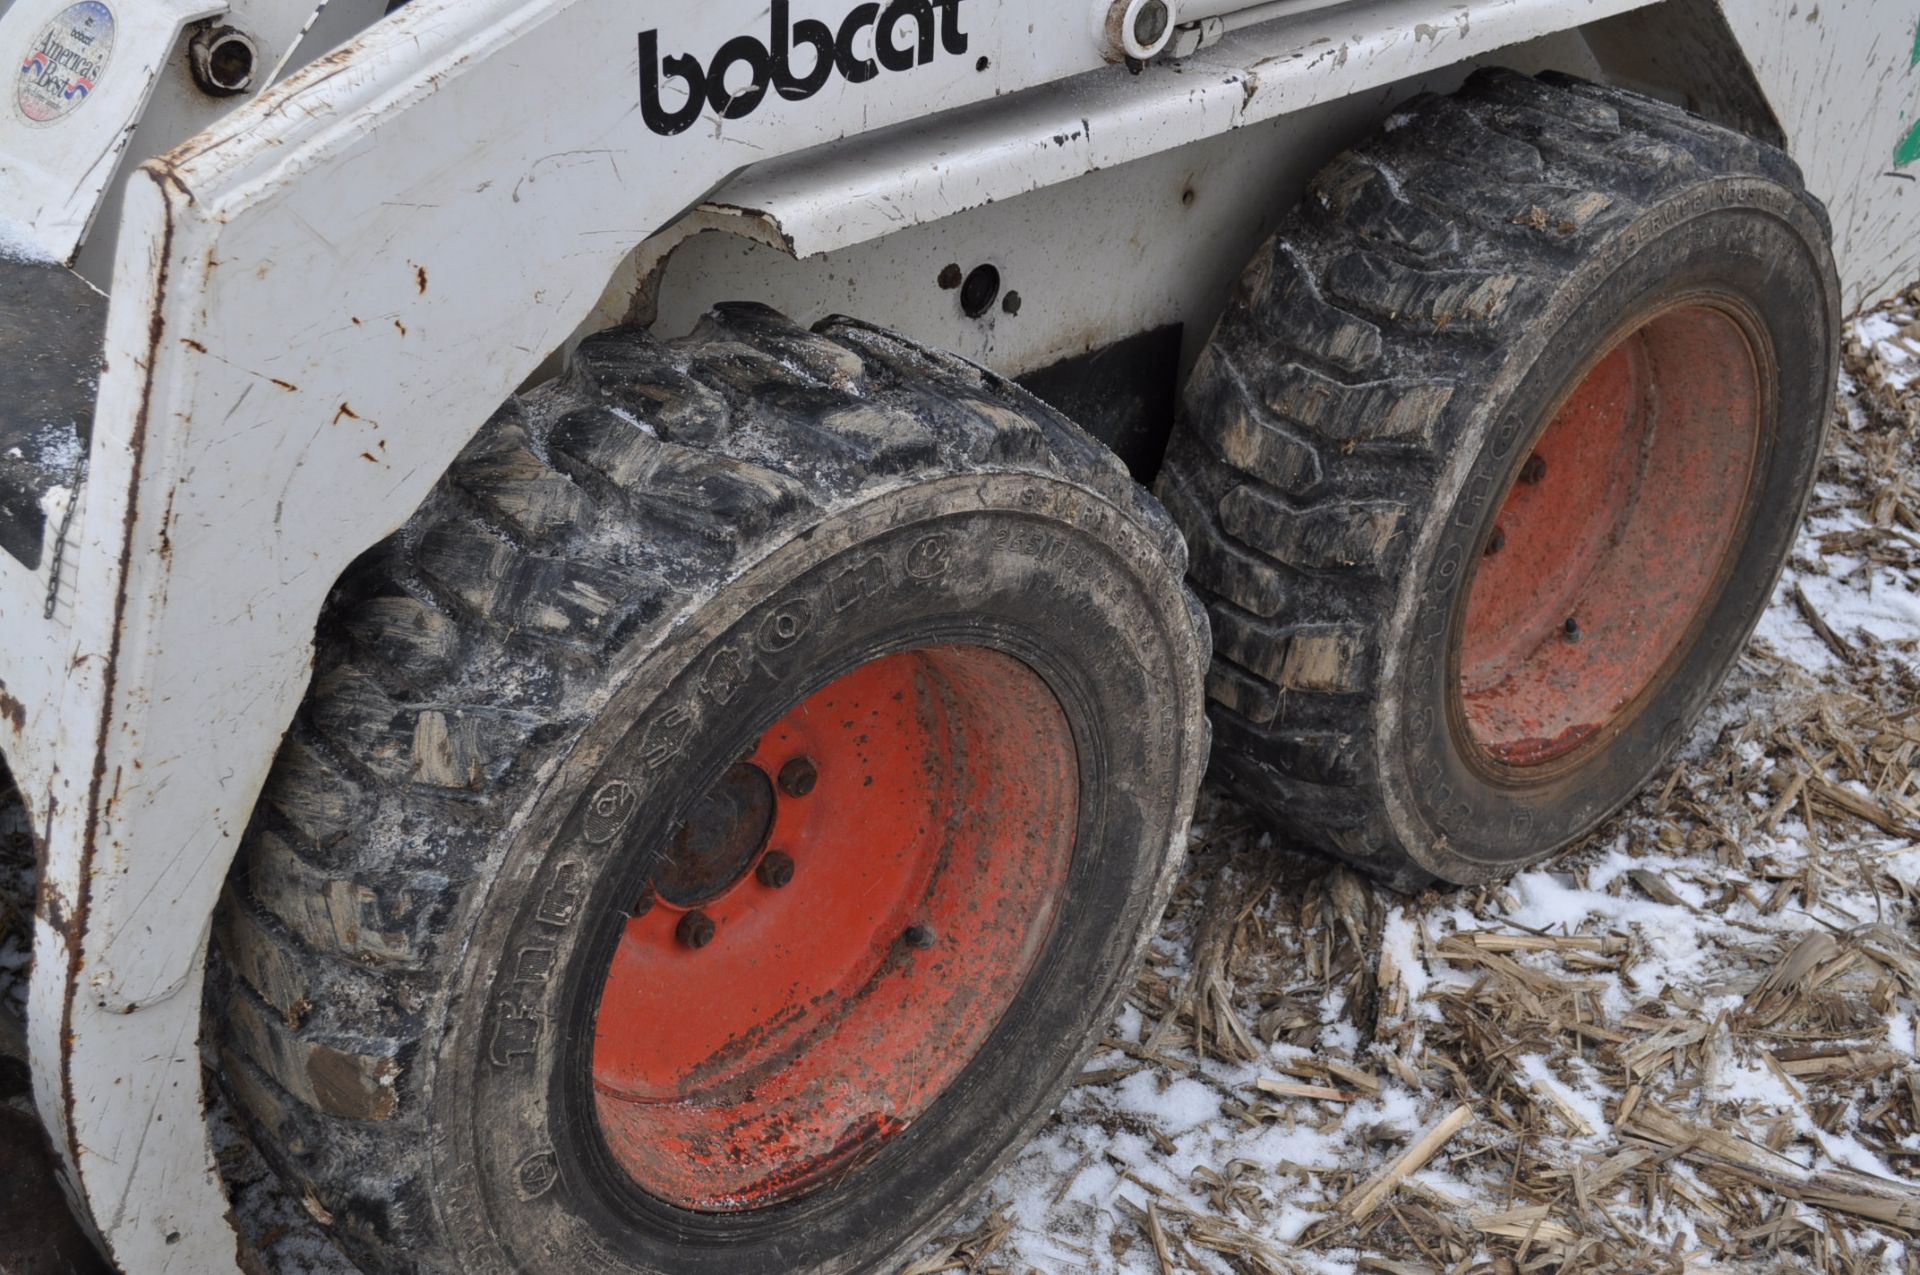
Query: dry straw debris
1687	1046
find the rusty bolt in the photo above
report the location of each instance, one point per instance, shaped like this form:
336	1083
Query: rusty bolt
775	870
798	777
695	930
920	937
1534	470
644	905
1572	629
1497	541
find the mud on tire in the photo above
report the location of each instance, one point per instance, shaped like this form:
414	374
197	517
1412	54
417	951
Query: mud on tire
1458	617
626	582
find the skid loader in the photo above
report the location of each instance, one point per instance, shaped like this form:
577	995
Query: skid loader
612	612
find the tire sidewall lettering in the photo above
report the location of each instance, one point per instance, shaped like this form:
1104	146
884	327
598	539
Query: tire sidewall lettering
770	653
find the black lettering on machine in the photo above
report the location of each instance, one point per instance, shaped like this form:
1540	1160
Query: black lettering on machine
797	60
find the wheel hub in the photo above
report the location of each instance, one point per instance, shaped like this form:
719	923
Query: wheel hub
720	840
836	928
1612	540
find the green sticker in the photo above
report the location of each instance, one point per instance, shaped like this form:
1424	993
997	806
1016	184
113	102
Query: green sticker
1908	151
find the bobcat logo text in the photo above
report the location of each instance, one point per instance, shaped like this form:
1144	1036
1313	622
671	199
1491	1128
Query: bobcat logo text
871	38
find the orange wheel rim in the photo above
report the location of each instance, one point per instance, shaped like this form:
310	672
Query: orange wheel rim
836	928
1613	539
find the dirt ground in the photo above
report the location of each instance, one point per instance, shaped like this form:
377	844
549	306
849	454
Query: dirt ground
1690	1044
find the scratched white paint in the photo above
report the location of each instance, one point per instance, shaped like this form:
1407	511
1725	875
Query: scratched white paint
176	109
1841	77
54	174
61	184
1156	241
277	420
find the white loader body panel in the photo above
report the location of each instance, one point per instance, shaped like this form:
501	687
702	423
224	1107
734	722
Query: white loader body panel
1842	81
318	298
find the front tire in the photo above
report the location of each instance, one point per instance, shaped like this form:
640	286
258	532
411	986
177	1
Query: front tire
724	818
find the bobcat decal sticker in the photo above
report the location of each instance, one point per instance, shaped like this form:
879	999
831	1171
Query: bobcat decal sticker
905	34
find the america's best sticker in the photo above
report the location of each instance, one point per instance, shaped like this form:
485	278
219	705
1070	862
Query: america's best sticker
60	68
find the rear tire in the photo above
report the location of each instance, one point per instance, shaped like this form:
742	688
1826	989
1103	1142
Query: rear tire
1492	464
508	977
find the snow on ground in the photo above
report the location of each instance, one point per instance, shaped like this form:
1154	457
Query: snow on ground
1687	1045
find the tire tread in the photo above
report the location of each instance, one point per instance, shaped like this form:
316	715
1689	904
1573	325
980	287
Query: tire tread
582	518
1304	455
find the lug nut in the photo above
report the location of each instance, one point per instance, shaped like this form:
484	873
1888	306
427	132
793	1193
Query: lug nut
1534	470
695	930
920	937
775	870
1572	628
1496	542
643	906
798	777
